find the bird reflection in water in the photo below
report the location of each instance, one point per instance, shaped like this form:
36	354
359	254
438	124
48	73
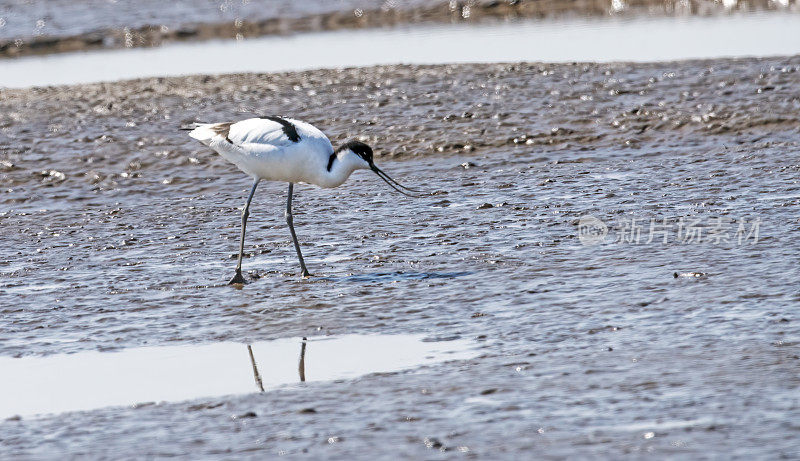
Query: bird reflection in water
256	374
301	366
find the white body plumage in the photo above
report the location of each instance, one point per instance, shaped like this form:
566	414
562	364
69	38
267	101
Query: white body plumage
269	149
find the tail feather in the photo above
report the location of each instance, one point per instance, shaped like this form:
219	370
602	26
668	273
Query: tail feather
202	132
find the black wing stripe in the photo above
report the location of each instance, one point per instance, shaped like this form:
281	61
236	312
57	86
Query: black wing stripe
288	129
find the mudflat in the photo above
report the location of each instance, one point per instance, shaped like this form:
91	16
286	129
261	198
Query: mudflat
119	231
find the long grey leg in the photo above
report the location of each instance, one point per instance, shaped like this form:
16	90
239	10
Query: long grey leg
245	214
290	222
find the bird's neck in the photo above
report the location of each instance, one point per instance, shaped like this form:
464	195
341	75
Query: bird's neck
344	164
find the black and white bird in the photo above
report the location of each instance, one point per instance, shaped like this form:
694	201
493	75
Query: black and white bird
284	149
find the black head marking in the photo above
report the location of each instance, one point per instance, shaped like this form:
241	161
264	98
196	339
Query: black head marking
358	148
288	129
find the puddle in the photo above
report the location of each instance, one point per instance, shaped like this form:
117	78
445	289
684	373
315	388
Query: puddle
596	40
90	380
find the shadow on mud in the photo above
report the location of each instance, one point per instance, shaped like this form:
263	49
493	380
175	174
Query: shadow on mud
396	276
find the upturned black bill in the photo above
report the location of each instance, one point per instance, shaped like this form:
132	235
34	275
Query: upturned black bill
394	184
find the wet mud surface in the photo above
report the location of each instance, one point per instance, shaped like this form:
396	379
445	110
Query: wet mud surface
47	26
119	231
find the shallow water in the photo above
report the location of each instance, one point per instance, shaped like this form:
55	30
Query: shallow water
597	40
624	348
68	17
